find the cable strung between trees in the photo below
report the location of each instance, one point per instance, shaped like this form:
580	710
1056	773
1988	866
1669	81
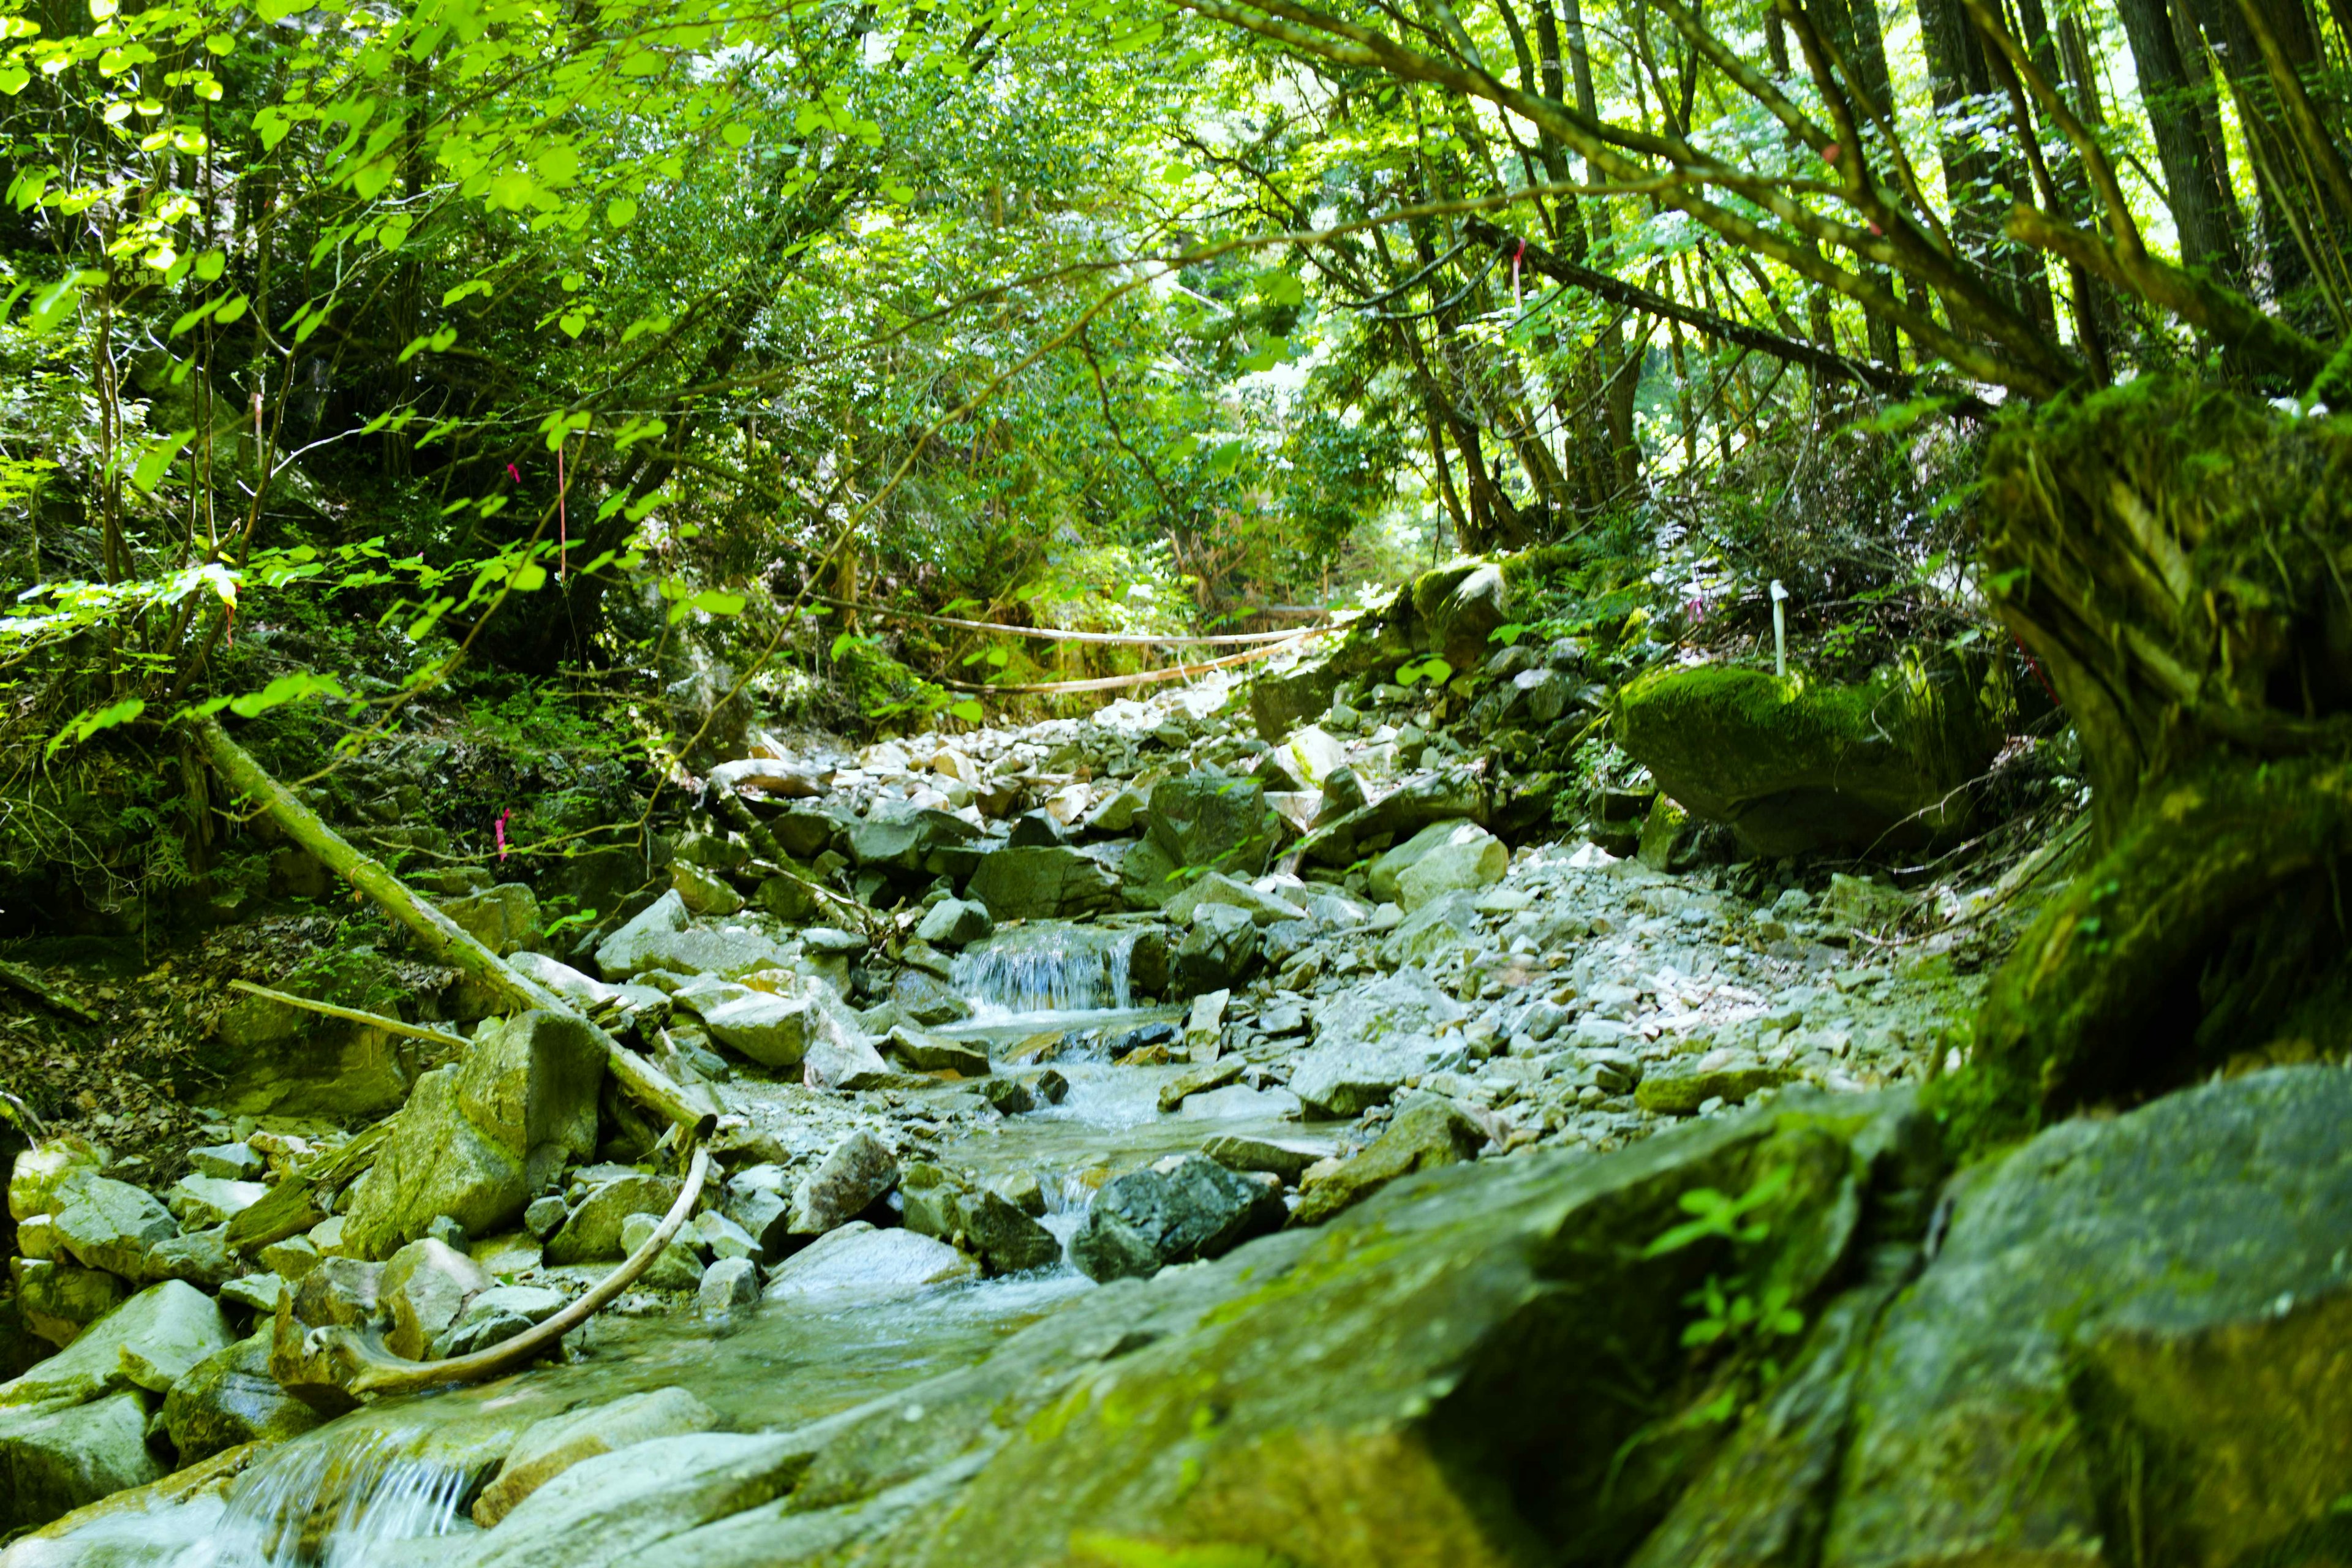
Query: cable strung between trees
1053	634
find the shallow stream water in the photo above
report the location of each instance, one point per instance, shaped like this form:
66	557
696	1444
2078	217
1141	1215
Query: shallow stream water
387	1483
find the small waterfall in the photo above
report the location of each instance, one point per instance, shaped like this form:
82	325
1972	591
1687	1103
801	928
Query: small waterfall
331	1505
1050	969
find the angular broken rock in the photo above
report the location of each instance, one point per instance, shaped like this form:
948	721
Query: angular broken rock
110	1224
859	1171
427	1286
938	1053
953	922
1425	1134
1183	1208
594	1230
1277	1157
665	937
230	1398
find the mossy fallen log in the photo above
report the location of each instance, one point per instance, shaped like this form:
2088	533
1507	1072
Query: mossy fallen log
437	932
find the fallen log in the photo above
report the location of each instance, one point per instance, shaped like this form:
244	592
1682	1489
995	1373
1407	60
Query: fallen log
440	936
41	991
352	1014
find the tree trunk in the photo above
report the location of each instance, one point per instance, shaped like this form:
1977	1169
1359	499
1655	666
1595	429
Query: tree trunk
2267	137
1960	81
2170	555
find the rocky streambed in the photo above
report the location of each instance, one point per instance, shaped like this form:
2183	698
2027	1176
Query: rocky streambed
1143	1135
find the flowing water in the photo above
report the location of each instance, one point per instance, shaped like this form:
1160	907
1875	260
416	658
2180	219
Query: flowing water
1047	972
384	1485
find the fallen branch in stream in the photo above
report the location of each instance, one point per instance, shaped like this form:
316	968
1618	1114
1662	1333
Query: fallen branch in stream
437	934
371	1370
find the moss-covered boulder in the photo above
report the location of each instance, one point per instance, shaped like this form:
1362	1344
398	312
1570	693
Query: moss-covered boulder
1794	764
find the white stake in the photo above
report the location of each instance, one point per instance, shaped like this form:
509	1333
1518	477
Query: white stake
1779	629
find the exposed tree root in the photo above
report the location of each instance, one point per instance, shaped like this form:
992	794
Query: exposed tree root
2189	941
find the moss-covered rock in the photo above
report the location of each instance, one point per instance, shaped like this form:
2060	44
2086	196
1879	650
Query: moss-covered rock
1793	765
2144	1319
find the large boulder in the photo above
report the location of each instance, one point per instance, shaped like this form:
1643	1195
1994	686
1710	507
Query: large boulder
1043	882
1443	857
1456	610
148	1342
1421	801
665	937
229	1398
287	1061
592	1232
1185	1207
1216	888
1211	822
1217	954
856	1261
435	1163
58	1300
773	1027
54	1460
850	1179
1793	765
505	918
2143	1318
478	1136
110	1224
905	838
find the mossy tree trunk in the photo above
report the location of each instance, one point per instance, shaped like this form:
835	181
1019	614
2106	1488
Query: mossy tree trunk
2177	558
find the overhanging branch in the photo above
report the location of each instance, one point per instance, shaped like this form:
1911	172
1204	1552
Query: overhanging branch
1633	297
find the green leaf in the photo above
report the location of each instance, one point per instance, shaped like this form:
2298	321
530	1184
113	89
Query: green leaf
968	710
157	459
620	212
529	577
712	602
231	309
14	78
1279	289
637	430
91	721
572	322
284	689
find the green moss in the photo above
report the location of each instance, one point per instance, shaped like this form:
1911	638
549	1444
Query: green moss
1796	764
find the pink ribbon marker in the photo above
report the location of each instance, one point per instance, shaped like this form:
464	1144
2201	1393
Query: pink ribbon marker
498	831
1517	301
